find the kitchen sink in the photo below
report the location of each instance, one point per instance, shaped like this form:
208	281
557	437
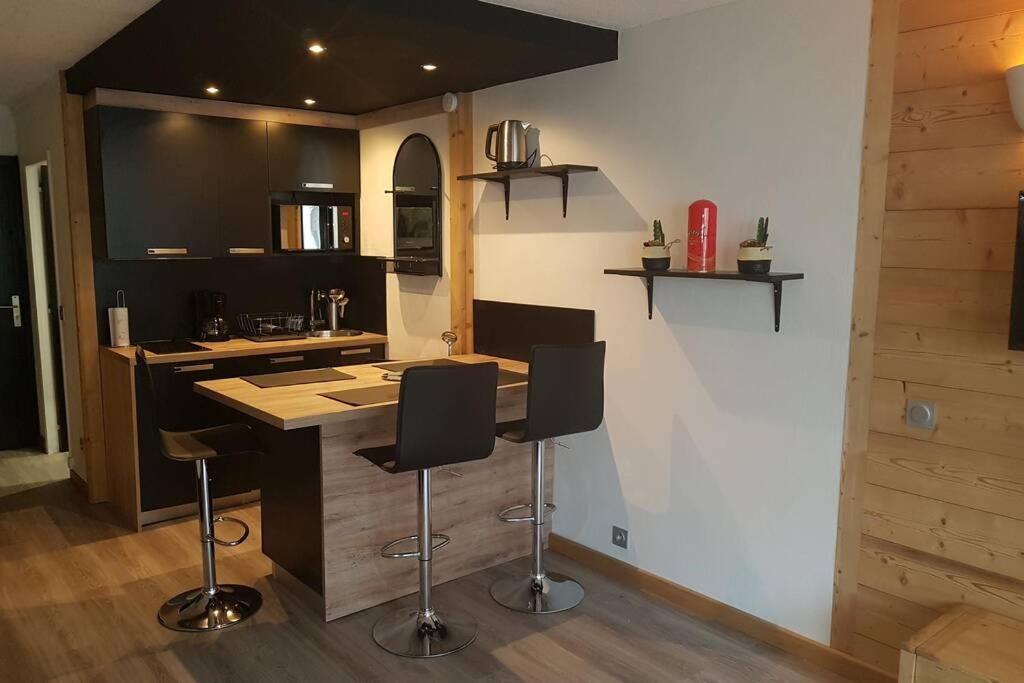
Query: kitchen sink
323	334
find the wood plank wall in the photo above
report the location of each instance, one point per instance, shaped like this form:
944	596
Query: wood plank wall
943	518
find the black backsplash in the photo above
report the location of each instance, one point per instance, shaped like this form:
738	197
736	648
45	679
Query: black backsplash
159	293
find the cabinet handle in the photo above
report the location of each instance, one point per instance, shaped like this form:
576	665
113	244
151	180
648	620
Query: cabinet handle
246	250
201	367
167	252
319	186
287	359
354	352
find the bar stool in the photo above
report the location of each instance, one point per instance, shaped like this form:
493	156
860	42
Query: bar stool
446	415
212	606
565	396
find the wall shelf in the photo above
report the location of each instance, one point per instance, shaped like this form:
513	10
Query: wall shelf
411	265
505	178
774	279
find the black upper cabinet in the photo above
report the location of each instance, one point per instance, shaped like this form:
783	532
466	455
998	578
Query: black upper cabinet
311	158
163	184
152	186
243	188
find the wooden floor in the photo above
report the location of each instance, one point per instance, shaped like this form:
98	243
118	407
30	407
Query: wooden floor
78	600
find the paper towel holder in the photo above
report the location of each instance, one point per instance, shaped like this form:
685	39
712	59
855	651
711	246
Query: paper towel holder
117	316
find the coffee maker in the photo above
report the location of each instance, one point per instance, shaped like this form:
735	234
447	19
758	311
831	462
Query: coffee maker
211	325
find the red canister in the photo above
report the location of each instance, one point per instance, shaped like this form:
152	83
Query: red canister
702	237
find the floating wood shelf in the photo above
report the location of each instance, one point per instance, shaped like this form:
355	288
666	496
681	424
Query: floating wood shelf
505	178
774	279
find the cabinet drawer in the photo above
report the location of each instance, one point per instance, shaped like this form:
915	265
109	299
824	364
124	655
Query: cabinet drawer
351	355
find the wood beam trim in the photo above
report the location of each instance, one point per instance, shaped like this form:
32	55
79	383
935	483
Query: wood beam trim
460	162
874	172
402	112
703	607
232	110
91	392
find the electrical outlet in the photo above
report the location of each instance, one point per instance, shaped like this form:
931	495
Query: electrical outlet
921	414
620	537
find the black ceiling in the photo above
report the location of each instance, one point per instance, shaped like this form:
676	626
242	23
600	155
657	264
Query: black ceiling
256	51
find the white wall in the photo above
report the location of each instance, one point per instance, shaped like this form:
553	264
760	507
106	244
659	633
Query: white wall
721	446
418	307
8	142
41	138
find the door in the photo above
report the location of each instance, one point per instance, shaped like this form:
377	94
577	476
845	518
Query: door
309	158
53	311
159	186
19	417
244	195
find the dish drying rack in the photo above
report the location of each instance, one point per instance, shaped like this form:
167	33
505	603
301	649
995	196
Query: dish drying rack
260	327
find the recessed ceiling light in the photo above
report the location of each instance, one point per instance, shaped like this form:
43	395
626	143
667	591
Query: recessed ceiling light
317	48
212	90
309	101
429	67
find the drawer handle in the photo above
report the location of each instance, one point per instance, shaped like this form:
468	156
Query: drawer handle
201	367
318	186
246	250
167	251
354	352
287	359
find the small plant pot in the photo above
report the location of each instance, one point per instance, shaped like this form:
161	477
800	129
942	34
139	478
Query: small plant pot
754	260
656	258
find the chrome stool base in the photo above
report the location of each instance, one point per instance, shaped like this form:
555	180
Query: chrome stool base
412	633
197	611
554	593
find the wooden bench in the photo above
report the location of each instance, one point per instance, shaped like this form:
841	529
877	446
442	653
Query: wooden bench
966	645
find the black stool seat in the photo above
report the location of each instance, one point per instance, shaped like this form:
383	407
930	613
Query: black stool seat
382	456
212	606
513	430
213	442
446	415
565	396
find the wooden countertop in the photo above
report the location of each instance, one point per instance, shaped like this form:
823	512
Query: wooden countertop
302	406
239	346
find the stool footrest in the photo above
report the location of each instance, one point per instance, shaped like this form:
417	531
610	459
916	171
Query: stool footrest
232	520
505	515
386	550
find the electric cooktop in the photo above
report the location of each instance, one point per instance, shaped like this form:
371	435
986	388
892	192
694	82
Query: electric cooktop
162	346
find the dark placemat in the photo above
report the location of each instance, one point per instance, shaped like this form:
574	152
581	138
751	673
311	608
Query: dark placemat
366	397
404	365
388	393
289	379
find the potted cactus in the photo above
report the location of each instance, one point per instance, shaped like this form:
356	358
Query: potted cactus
755	257
656	254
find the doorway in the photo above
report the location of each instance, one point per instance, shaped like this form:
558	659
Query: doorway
46	312
19	417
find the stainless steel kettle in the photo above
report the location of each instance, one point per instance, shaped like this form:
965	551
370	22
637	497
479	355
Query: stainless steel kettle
510	144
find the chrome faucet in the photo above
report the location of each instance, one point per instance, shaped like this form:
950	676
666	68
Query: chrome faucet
449	338
316	299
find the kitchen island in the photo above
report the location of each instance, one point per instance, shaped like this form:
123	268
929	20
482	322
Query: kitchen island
326	512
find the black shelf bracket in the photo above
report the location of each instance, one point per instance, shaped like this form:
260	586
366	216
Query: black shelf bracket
505	182
564	175
649	285
777	291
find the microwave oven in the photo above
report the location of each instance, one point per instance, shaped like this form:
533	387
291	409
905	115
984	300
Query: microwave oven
313	221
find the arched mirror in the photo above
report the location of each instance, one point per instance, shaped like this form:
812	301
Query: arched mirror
417	195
